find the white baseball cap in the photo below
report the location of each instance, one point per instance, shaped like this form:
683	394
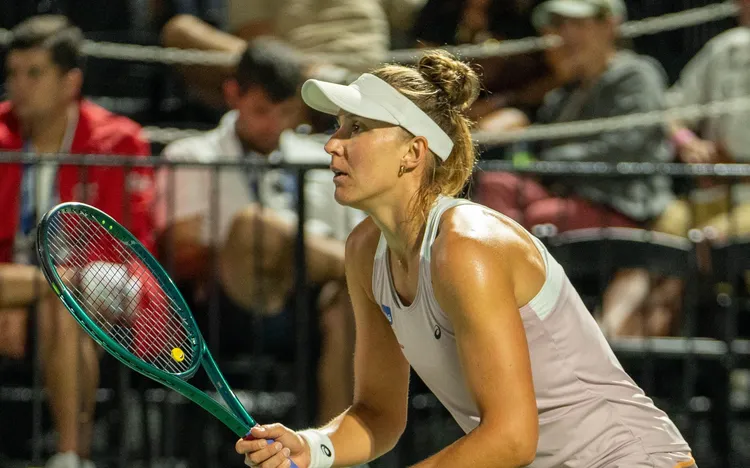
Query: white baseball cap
372	98
577	9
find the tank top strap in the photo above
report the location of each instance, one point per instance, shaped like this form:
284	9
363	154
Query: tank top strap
442	204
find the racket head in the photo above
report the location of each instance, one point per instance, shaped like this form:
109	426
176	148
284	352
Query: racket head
118	292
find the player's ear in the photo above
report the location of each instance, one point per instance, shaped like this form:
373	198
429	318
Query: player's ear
416	154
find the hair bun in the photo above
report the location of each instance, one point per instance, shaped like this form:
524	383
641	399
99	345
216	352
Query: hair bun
455	78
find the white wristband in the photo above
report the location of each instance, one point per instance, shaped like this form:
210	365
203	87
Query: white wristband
321	448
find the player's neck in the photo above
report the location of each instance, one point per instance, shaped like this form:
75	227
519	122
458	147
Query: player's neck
47	133
403	232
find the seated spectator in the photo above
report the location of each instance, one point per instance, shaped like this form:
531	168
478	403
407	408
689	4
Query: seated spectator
519	80
46	115
336	37
255	246
606	82
720	71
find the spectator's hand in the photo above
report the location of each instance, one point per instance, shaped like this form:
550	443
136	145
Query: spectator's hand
329	72
288	444
503	120
698	151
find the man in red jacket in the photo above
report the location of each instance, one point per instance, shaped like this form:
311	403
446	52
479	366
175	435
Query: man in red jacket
46	115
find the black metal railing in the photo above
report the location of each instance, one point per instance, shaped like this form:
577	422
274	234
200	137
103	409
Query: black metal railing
690	373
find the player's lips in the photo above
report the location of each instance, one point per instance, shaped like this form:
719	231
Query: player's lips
338	174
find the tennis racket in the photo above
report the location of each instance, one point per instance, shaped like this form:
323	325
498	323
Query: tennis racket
126	301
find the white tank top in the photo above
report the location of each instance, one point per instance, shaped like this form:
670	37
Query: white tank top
590	411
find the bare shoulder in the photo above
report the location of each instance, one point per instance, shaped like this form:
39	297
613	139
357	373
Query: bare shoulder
363	240
473	238
476	227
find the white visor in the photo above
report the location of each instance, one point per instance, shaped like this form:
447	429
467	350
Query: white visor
372	98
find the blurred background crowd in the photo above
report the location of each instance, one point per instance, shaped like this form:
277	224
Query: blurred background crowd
225	225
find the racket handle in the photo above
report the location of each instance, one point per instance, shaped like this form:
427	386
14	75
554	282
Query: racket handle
248	436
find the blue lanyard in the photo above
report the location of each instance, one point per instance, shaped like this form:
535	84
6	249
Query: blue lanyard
286	184
28	187
29	205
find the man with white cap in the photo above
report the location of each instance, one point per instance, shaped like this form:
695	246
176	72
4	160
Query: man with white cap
588	28
615	9
603	81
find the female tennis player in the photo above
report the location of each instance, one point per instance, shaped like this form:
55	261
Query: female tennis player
467	297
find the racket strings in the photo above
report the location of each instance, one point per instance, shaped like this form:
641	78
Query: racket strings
136	285
106	283
119	293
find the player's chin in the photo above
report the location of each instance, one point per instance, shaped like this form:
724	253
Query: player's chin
350	199
345	196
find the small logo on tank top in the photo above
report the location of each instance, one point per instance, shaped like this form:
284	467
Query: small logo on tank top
438	332
387	312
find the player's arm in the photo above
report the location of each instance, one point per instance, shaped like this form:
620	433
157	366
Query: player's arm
474	284
377	418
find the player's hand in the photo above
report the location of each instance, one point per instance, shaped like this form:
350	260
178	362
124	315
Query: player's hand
288	444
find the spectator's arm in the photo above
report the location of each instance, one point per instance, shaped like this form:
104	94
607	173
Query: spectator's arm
257	258
635	92
252	18
21	285
324	255
182	251
189	32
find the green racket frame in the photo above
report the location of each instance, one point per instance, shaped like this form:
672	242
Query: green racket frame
236	418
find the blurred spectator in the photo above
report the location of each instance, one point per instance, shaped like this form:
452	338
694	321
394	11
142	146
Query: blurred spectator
336	37
255	246
46	115
720	71
604	82
519	80
125	87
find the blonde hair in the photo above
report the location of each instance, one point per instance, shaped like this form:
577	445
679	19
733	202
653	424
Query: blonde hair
443	87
